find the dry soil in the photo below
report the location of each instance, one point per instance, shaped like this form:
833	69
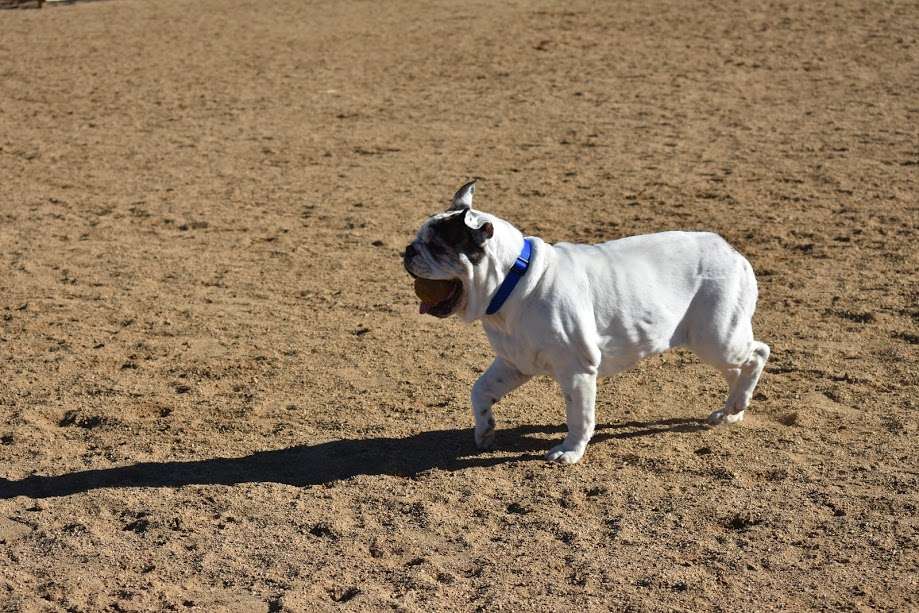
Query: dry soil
216	392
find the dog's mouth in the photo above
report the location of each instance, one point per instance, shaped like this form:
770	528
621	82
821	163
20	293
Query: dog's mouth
448	305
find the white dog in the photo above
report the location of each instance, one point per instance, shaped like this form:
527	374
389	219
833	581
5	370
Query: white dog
576	312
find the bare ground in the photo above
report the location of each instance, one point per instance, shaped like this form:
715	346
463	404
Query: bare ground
216	392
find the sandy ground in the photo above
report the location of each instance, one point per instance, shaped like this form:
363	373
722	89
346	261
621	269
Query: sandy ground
216	392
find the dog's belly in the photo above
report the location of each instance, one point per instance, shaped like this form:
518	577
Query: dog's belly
534	360
656	328
616	358
625	344
530	361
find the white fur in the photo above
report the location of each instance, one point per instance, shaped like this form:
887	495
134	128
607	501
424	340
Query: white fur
583	311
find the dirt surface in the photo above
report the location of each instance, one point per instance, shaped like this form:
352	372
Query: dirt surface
216	390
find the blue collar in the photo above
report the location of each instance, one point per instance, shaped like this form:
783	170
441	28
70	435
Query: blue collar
513	277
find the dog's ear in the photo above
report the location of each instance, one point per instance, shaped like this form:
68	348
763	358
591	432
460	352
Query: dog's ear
462	199
481	227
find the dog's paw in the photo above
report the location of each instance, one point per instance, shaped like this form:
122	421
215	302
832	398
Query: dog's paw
564	455
719	417
485	438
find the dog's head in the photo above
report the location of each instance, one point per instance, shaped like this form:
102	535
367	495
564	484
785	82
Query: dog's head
467	247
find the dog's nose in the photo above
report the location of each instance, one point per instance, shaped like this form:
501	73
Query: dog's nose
407	256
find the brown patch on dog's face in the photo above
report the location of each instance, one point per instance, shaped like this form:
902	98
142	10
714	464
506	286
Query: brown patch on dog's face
438	249
451	235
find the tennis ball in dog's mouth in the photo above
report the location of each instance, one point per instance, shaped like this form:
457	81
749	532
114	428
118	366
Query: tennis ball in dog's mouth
433	291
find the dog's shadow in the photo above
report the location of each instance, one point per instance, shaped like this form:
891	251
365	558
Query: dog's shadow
332	461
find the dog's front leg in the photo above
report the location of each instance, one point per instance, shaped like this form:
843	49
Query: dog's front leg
580	391
500	379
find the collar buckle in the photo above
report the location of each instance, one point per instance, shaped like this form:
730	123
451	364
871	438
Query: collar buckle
521	264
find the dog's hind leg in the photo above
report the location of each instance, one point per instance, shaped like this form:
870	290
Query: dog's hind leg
742	381
720	332
499	380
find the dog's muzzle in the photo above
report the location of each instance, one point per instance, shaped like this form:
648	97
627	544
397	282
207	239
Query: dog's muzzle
410	252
